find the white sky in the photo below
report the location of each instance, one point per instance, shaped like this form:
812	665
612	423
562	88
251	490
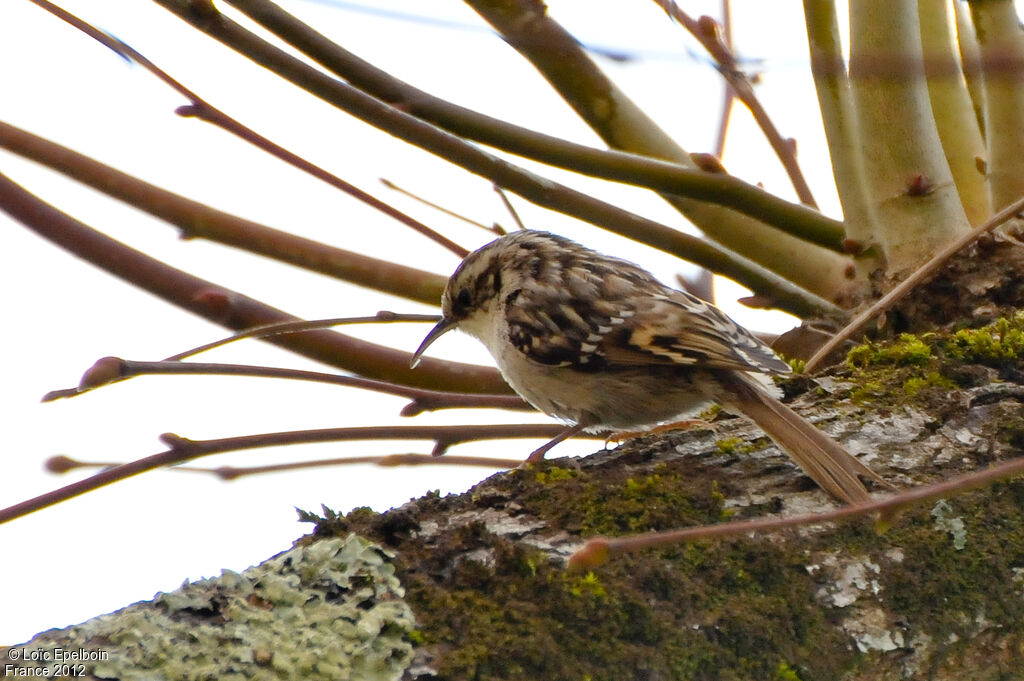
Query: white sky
110	548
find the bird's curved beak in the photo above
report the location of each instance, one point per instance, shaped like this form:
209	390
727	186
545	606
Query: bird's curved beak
441	328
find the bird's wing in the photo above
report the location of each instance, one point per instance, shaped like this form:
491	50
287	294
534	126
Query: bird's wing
602	322
677	328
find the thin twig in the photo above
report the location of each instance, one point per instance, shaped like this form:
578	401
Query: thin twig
705	30
200	108
920	275
182	449
65	464
235	310
114	370
441	209
598	550
509	207
728	94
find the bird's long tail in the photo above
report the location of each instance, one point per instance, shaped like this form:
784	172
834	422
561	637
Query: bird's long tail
822	458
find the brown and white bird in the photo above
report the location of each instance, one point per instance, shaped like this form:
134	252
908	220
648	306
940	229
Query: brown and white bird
599	343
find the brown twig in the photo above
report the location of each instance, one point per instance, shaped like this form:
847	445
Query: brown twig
441	209
197	220
598	550
182	449
114	370
203	110
234	310
707	32
644	171
728	94
920	275
65	464
509	207
617	166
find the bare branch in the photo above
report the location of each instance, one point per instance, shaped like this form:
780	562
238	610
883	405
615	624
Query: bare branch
600	549
182	449
200	108
234	310
64	464
707	32
114	370
907	285
197	220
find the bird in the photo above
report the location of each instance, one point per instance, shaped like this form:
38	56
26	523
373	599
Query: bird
600	344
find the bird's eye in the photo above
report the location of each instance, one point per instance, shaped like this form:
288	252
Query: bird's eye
463	299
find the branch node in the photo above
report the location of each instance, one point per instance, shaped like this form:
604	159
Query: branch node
217	302
103	372
177	443
227	472
414	408
920	185
852	246
709	163
61	464
189	111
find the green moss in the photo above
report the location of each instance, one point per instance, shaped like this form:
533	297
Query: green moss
786	673
907	350
701	611
554	475
588	585
909	368
710	413
734	445
932	379
996	343
936	584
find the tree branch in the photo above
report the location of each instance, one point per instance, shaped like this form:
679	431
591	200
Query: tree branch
539	190
197	220
234	310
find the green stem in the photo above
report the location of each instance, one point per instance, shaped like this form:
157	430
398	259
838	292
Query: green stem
541	191
912	188
1002	61
839	118
558	56
952	107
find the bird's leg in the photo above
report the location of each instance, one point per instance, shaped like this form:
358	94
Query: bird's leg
688	424
538	454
